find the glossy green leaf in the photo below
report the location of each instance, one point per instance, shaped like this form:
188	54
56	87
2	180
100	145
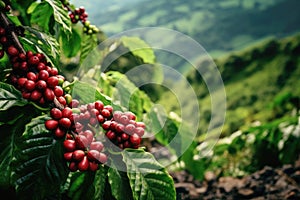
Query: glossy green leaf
12	126
10	96
119	183
41	14
39	166
86	93
70	43
81	186
128	95
60	15
99	182
35	40
148	179
88	45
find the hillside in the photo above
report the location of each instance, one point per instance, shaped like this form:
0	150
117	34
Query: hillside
220	26
260	82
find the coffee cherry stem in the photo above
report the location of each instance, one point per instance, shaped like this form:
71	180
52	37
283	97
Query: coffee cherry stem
39	107
5	21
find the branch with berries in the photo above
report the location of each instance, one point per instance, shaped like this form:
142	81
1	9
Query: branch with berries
88	130
80	15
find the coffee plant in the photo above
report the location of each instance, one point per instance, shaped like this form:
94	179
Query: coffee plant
63	138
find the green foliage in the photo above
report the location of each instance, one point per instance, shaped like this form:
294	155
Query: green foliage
39	164
32	159
147	178
35	40
10	97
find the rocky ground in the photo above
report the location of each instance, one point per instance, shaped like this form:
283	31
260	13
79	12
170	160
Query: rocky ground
268	183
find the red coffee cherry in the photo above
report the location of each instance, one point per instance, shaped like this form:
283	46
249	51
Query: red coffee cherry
58	91
73	166
33	60
110	135
109	108
68	156
59	133
106	125
32	76
65	122
70	145
105	113
93	155
84	164
99	105
49	94
129	129
41	85
93	166
78	155
12	51
55	113
36	95
54	72
67	112
52	81
103	158
135	139
43	75
97	145
51	124
22	81
29	85
81	142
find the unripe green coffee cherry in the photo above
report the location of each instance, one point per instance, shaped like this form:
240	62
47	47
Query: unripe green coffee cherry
87	23
68	98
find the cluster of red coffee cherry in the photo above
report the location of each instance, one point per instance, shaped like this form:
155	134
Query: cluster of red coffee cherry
35	78
84	129
80	14
122	130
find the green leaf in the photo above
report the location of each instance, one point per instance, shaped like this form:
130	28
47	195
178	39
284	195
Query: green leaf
40	168
128	95
148	179
139	48
99	182
60	15
71	43
85	93
41	14
12	126
10	96
32	7
88	44
81	186
35	40
119	183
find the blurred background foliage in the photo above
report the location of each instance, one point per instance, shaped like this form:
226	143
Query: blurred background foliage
255	45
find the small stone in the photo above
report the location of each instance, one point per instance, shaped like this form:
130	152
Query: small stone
288	169
209	176
245	192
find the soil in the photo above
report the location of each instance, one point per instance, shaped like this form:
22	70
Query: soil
268	183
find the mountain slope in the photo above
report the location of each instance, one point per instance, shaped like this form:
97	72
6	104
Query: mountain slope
220	26
261	84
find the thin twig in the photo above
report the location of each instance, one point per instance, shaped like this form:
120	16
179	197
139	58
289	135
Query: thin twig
14	37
